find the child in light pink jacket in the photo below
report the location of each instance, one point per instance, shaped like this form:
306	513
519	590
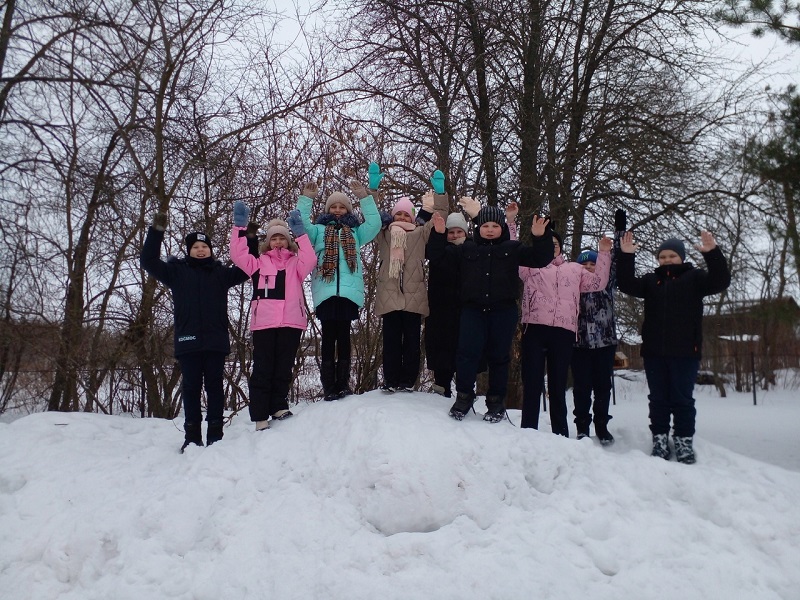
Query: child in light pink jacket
277	310
550	304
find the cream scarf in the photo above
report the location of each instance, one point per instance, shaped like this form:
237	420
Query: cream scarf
397	246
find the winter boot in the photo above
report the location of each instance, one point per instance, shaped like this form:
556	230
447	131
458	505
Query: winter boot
601	429
495	409
462	405
262	425
582	425
683	449
214	433
282	414
194	435
343	378
327	375
661	446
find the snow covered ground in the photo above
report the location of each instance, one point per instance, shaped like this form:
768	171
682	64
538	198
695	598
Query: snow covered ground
380	497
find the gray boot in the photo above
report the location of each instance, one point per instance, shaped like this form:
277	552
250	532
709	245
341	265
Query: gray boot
462	405
683	449
661	446
495	409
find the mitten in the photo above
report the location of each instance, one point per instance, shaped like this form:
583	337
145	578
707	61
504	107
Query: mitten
386	219
620	220
310	190
241	214
358	189
252	229
471	206
437	181
375	176
160	221
427	202
295	222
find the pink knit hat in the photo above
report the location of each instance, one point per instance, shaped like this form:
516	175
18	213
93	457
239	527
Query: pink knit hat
405	205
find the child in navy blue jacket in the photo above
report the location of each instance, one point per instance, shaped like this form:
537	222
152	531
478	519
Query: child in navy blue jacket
672	332
199	285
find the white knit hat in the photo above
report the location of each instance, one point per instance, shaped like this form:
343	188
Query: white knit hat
338	197
456	220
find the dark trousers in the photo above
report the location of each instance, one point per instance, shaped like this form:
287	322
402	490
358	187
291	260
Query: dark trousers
551	346
485	333
592	370
671	381
401	348
274	352
198	369
335	354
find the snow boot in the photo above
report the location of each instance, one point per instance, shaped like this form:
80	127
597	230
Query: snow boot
582	425
495	409
327	374
343	378
661	446
282	414
601	430
262	425
194	435
462	405
683	449
214	433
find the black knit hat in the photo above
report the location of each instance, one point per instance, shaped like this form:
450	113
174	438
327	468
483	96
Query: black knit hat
675	245
494	214
197	236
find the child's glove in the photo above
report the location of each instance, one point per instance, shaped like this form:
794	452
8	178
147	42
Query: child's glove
471	206
241	214
375	176
252	229
295	222
386	219
437	181
358	189
310	190
620	220
160	221
427	202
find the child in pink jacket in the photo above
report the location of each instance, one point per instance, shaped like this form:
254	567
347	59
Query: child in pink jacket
550	304
277	311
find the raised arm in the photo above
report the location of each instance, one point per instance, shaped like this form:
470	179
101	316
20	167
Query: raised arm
149	258
719	275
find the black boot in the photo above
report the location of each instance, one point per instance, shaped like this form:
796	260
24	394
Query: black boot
495	409
343	377
214	433
462	405
328	376
601	429
194	435
582	425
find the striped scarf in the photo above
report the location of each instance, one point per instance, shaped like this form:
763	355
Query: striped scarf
333	238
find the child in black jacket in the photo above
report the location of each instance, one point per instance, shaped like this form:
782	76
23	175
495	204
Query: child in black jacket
199	285
672	332
487	268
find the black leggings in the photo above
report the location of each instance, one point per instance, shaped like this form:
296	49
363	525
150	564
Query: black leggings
335	340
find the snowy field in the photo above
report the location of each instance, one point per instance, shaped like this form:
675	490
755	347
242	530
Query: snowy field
383	497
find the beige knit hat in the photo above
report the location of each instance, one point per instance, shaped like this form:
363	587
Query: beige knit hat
338	197
277	227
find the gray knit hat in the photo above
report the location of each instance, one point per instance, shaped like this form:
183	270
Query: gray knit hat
338	197
456	220
675	245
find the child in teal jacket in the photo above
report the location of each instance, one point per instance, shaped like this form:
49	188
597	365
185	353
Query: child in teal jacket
337	284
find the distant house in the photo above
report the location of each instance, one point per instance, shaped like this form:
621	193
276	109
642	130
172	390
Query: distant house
763	335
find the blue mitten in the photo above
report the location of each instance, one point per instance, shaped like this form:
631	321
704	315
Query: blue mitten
375	176
437	181
295	222
241	214
386	219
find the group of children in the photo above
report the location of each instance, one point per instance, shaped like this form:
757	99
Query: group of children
469	298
